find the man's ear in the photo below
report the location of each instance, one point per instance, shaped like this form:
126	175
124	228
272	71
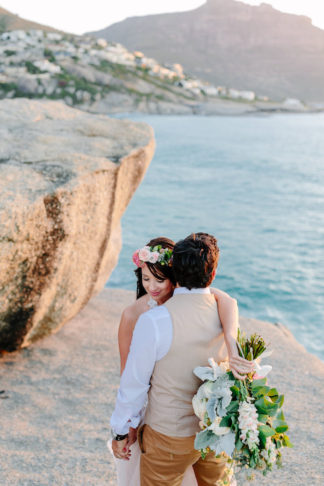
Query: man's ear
214	273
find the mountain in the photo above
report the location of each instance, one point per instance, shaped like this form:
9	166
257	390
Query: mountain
234	44
10	21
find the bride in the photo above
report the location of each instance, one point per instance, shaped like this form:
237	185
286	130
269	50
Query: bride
155	285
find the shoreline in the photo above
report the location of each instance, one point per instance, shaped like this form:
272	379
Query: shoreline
217	107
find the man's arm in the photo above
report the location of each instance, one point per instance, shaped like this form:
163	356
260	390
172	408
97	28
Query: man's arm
135	380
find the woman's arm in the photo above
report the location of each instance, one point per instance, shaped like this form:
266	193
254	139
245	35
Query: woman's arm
125	334
228	314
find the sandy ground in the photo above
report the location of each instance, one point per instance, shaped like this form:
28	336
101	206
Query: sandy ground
60	392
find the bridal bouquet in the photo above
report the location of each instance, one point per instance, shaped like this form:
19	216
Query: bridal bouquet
241	419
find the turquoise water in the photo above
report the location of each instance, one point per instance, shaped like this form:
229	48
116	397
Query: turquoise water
257	184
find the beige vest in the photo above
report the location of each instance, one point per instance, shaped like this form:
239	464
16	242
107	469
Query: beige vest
197	336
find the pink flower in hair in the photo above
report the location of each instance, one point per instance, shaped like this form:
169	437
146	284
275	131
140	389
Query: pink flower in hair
144	254
136	259
154	256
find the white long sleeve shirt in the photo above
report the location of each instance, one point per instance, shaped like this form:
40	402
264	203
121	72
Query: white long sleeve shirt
152	338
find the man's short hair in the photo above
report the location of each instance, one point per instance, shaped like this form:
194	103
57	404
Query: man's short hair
194	260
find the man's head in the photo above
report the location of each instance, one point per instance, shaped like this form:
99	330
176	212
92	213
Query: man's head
195	260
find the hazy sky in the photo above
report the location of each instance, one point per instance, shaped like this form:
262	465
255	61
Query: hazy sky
78	17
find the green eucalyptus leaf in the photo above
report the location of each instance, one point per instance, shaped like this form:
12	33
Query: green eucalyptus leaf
280	401
260	382
280	416
263	439
266	430
286	441
260	391
226	421
235	390
233	407
263	418
282	428
272	393
203	439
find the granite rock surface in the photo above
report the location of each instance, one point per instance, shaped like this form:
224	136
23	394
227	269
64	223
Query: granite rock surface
66	177
61	392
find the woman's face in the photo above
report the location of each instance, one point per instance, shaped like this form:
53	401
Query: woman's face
160	290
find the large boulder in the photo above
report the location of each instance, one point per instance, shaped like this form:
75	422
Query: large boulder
66	178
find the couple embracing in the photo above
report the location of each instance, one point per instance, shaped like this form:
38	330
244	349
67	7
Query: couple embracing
176	324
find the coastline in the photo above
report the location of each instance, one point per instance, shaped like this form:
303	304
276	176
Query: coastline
61	393
211	107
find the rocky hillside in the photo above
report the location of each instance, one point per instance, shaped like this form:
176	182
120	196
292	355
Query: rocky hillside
66	177
107	78
234	44
10	21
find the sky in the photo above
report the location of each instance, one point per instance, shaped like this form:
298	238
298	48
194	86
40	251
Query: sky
79	17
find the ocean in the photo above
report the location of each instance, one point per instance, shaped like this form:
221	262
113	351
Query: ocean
257	184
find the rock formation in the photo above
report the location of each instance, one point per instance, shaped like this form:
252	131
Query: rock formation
66	178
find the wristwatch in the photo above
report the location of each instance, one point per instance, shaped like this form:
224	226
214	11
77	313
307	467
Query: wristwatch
119	436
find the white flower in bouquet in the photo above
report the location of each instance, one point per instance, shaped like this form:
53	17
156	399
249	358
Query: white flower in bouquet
248	424
199	406
270	452
212	372
216	429
205	390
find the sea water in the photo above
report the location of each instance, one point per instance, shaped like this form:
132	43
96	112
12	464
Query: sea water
257	184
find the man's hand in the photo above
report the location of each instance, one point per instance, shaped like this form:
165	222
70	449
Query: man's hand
121	449
132	436
240	367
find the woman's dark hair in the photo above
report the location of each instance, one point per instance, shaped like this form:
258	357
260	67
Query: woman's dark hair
194	260
160	272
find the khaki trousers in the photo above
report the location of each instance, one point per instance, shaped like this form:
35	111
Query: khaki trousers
164	460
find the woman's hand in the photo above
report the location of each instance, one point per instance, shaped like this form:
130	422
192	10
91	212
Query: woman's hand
121	449
240	367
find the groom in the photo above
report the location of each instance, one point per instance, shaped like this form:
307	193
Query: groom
169	341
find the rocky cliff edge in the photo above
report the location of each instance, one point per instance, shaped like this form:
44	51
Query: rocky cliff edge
66	178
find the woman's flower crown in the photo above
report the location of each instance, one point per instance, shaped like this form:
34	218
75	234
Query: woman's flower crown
152	254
